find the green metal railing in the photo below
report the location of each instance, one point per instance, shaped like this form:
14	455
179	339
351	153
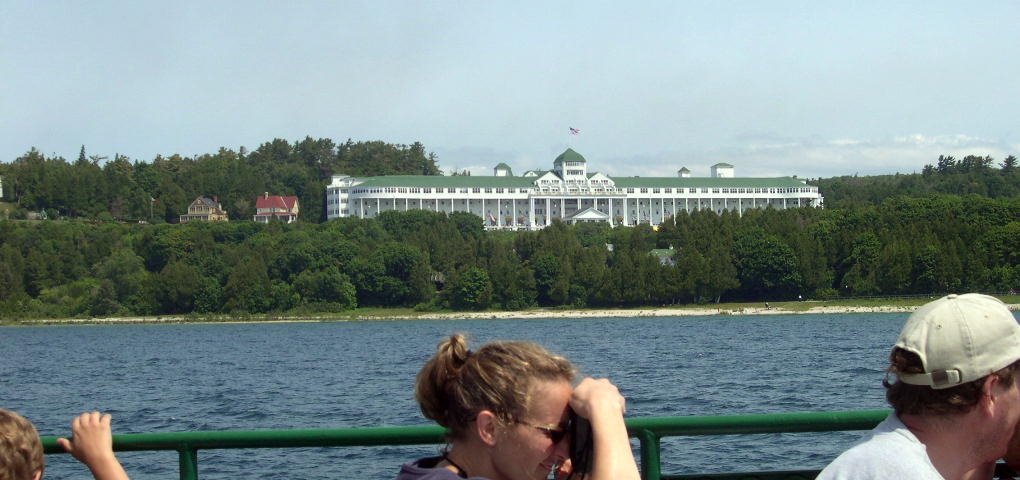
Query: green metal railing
648	430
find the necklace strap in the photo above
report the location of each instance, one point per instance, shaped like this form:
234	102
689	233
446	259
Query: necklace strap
461	472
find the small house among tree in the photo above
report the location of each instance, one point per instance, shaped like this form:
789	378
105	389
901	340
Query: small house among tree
205	209
284	209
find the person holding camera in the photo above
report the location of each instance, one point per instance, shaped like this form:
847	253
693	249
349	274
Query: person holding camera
509	409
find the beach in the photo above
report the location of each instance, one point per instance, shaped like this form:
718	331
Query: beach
722	309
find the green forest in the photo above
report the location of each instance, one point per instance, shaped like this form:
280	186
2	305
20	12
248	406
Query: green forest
953	227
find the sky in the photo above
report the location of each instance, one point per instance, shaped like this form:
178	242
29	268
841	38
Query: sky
778	88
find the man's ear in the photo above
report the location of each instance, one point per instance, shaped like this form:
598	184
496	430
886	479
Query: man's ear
37	475
990	392
485	424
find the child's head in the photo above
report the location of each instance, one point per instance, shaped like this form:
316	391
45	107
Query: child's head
21	451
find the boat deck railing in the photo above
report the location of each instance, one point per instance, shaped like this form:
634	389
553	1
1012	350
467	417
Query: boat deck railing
648	430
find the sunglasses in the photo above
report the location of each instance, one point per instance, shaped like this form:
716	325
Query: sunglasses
556	434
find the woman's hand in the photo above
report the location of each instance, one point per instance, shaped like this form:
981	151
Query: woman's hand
596	397
600	402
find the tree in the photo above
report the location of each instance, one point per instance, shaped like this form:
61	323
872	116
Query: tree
472	290
125	273
861	276
248	287
174	288
326	286
1008	165
767	266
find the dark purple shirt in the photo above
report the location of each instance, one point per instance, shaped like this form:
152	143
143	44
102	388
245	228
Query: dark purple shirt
425	469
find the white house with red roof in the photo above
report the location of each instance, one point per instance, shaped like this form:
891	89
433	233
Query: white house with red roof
268	207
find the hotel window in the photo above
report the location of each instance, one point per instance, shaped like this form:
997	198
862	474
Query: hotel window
630	190
499	190
488	190
669	190
644	190
476	190
462	190
715	190
427	190
655	190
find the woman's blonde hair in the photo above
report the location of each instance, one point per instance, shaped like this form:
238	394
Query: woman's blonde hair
456	383
21	451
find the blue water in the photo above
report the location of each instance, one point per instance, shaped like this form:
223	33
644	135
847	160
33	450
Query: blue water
165	378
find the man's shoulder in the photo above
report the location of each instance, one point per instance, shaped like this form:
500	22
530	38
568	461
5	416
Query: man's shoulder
886	453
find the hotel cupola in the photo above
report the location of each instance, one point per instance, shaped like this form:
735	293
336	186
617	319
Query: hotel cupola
571	166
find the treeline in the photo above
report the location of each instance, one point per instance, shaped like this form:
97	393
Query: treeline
100	188
427	260
970	175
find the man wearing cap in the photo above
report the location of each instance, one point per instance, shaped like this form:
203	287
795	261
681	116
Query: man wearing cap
955	398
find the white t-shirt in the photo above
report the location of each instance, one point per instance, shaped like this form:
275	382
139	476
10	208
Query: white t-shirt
890	451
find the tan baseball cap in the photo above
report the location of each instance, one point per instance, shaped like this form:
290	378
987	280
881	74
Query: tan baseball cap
960	338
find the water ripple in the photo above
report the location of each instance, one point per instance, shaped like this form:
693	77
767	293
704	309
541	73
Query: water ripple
165	378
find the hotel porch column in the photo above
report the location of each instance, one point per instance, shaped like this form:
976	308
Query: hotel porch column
514	210
626	213
531	212
548	210
611	220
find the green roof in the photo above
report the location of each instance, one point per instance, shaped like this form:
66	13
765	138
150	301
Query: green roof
569	155
663	252
438	181
706	182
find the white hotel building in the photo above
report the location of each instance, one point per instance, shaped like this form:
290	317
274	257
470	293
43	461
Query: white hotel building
568	192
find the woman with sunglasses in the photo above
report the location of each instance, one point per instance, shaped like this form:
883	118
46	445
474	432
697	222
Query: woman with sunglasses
506	407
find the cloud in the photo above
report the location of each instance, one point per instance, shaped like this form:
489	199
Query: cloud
814	157
753	156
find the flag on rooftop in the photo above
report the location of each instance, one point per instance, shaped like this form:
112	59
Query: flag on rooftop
574	131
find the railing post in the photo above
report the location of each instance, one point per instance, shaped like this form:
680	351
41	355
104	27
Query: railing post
651	466
188	463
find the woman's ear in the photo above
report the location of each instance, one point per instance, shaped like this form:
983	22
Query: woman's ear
486	425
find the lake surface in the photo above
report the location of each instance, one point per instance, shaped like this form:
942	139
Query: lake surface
166	378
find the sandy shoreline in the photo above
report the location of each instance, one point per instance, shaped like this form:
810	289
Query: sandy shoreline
538	313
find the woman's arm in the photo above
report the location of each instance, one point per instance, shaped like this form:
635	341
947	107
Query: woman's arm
601	403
